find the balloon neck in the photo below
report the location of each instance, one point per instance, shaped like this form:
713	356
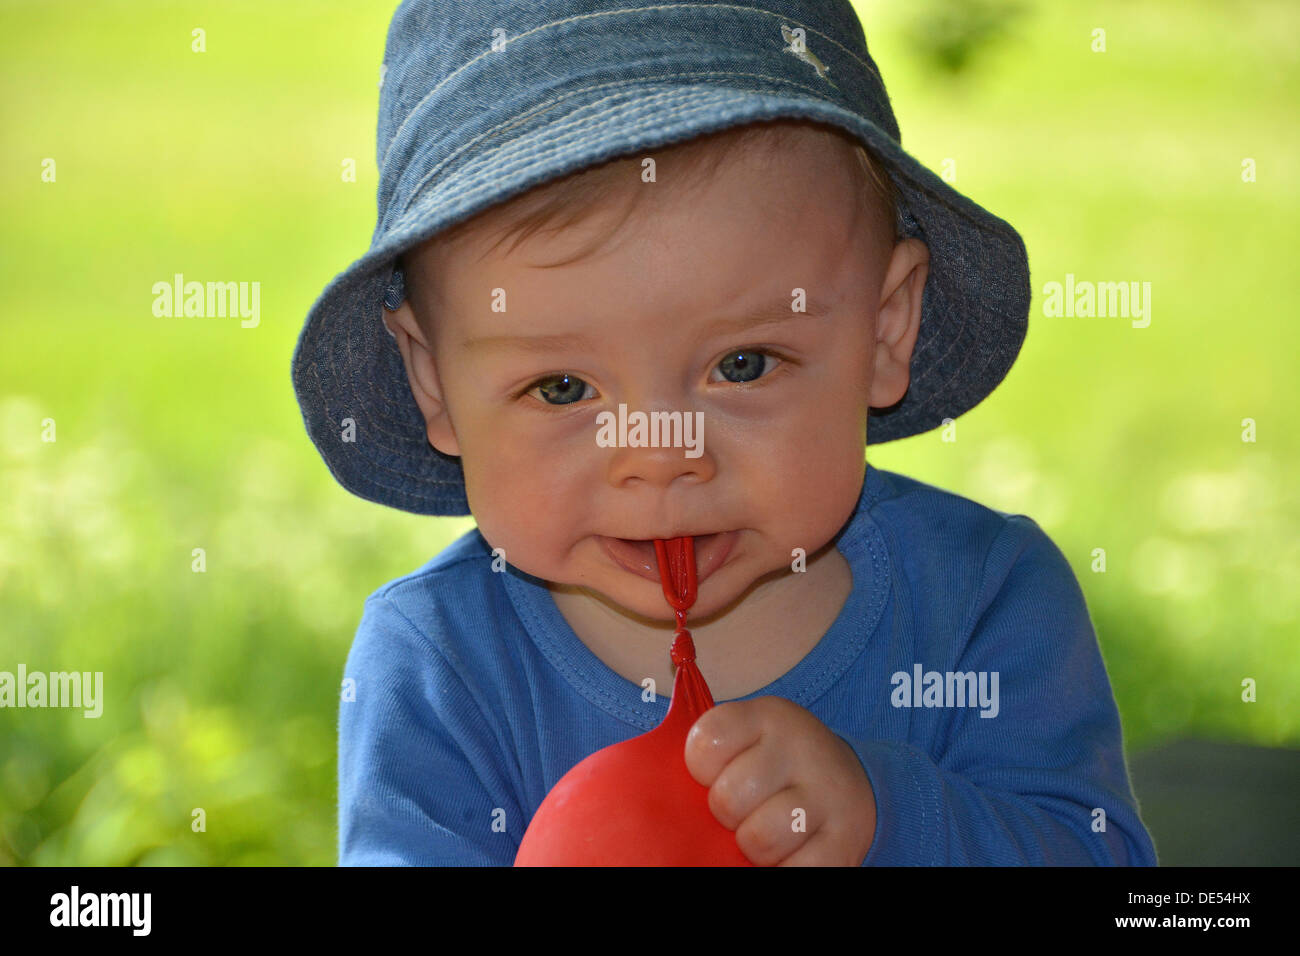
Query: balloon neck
683	649
691	695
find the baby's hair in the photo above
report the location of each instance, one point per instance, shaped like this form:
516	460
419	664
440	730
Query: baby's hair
560	203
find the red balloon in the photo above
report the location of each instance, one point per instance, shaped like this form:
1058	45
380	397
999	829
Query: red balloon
635	803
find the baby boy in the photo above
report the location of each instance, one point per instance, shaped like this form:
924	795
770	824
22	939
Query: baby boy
584	217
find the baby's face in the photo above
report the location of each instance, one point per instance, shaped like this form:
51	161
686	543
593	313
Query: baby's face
685	309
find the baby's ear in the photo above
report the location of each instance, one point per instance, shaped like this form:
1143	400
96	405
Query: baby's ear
422	375
401	321
898	321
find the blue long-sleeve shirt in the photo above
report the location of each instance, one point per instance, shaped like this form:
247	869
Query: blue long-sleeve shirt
473	696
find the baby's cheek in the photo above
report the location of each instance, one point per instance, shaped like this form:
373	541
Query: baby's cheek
827	449
822	474
527	517
517	537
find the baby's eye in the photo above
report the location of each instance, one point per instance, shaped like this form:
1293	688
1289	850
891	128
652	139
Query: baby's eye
564	389
746	365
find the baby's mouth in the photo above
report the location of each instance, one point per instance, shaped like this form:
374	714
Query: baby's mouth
638	555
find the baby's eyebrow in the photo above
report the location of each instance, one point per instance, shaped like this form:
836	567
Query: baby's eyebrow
774	314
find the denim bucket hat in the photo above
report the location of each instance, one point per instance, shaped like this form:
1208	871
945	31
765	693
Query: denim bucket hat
479	102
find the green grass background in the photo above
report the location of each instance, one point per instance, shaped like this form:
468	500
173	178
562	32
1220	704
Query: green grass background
174	434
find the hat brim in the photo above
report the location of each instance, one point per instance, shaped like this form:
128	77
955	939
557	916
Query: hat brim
349	377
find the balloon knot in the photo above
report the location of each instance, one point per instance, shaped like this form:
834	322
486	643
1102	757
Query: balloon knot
683	650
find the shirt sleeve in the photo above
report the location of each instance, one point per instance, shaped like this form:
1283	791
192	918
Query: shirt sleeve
419	777
1036	782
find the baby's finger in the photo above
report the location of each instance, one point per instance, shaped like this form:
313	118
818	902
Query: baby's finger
773	831
747	782
824	847
718	737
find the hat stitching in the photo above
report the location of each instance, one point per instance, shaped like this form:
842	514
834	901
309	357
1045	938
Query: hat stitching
351	478
354	399
583	121
606	13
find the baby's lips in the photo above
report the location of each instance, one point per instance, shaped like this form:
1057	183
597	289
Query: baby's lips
677	571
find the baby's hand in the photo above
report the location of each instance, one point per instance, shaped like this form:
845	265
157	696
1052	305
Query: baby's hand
766	758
